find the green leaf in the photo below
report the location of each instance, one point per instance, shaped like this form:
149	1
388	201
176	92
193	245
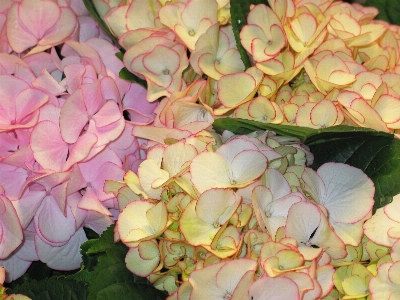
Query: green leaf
120	55
239	11
376	153
135	291
54	288
389	10
110	279
305	134
128	76
93	12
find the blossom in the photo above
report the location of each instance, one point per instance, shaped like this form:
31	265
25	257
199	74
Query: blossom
31	26
20	108
310	227
143	259
231	279
189	20
215	53
161	64
385	284
142	220
382	228
324	77
346	194
124	18
224	167
88	106
271	207
198	226
237	88
260	109
263	39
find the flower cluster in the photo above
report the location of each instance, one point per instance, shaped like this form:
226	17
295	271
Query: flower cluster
239	220
314	63
62	132
243	218
204	216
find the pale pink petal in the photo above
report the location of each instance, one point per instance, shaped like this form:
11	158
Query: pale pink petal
27	206
27	251
12	180
222	286
97	222
15	267
51	224
349	194
274	289
376	228
65	257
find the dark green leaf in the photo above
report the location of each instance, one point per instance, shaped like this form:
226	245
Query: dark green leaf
120	55
239	11
103	243
135	291
54	288
89	261
128	76
110	278
93	12
242	126
389	10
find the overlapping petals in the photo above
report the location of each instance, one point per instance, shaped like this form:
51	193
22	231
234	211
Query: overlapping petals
30	26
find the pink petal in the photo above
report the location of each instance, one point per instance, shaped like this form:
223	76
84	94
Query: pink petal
38	16
90	201
12	180
107	133
10	228
93	97
63	29
87	53
81	149
10	87
108	171
29	101
49	149
18	37
108	114
73	117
